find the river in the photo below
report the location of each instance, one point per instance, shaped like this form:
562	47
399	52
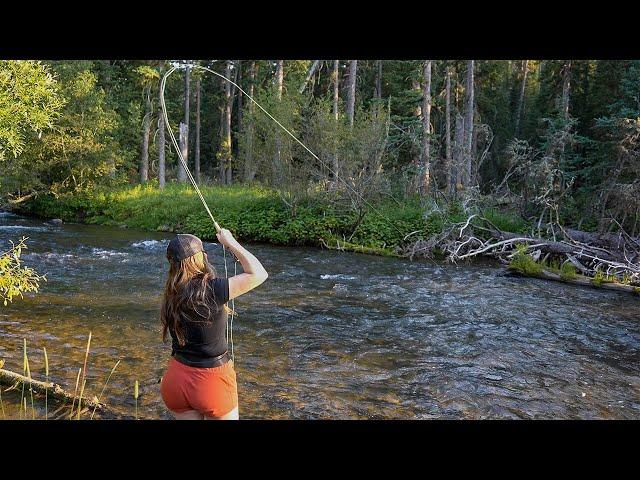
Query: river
331	335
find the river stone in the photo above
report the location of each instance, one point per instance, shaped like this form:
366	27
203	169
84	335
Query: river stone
56	221
493	377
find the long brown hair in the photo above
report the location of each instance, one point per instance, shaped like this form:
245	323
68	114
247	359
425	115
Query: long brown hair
187	288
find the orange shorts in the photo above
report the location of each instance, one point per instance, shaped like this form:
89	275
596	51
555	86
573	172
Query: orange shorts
210	391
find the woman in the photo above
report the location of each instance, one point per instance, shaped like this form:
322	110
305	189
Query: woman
200	382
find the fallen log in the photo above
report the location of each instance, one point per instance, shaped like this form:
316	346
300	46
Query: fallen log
577	280
58	393
607	240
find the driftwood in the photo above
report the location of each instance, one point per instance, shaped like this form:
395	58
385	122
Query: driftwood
59	394
611	256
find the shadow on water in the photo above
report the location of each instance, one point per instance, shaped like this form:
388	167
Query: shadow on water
332	334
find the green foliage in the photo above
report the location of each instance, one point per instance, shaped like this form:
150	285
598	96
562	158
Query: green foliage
599	278
524	263
29	101
252	213
567	271
15	278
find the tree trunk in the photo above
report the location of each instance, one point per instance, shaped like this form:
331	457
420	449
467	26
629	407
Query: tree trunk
161	150
468	124
426	127
240	97
451	184
182	175
279	81
250	170
146	128
379	79
312	70
351	90
566	89
458	153
183	149
336	87
525	68
197	154
336	111
225	144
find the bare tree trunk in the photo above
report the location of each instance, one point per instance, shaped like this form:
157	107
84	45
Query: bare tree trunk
566	89
250	170
378	79
458	153
519	109
426	127
146	128
468	124
184	138
312	70
336	87
336	115
225	144
279	81
182	174
161	148
351	90
197	154
240	96
448	161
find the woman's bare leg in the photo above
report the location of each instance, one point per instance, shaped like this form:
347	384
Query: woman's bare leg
189	415
232	415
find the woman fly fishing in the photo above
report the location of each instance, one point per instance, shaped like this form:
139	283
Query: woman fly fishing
200	381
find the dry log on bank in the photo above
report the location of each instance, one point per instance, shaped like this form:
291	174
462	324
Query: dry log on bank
58	393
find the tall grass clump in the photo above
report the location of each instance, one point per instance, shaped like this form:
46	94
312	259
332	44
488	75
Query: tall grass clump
75	392
84	375
46	390
2	404
135	395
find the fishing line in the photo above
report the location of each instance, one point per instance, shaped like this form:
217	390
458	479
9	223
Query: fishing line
183	161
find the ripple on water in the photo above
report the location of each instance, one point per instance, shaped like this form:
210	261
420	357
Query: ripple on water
395	339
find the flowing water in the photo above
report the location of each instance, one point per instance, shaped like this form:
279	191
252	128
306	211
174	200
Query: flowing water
332	335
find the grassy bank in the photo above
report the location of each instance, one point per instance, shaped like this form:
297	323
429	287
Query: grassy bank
252	214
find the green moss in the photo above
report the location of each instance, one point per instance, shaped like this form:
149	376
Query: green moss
598	279
524	263
567	271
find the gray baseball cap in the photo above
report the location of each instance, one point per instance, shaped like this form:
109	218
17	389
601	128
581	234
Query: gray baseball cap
183	246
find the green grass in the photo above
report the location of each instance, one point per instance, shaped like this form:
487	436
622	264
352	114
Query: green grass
257	214
251	213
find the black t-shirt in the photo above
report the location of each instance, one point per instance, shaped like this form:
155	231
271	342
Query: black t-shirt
205	338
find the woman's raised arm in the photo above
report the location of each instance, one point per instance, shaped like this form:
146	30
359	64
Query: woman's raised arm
254	273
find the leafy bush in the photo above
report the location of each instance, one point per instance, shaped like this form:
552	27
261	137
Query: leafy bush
15	279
